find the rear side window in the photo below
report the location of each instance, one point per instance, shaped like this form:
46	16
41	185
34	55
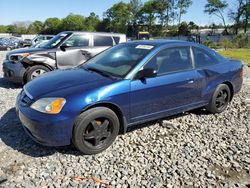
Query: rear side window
203	58
116	39
103	40
171	60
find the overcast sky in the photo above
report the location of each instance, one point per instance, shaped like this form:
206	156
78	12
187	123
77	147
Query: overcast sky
30	10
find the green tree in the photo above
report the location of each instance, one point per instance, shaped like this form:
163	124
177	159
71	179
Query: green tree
35	27
3	29
169	15
193	28
104	25
73	22
184	29
91	22
213	27
12	29
51	26
246	14
135	9
192	25
149	13
182	6
136	16
162	9
217	7
236	14
119	16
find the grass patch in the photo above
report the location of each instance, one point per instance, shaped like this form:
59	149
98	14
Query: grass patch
240	54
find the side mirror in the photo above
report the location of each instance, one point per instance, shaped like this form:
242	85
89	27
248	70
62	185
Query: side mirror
63	47
146	73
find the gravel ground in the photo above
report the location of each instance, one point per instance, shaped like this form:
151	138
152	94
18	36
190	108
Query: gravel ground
193	149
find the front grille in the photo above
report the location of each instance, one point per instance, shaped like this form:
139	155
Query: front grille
14	58
24	99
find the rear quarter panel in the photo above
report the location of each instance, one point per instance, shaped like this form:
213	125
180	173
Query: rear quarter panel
224	72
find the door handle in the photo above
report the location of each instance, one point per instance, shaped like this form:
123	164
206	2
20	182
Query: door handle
190	81
85	53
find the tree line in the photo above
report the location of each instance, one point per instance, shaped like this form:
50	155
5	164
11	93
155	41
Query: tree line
159	17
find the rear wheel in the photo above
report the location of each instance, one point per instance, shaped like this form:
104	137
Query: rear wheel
95	130
220	99
36	71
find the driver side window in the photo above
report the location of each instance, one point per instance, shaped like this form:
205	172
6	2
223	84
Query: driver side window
77	41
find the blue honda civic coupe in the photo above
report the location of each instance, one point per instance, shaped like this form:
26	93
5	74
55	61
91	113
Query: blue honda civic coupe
128	84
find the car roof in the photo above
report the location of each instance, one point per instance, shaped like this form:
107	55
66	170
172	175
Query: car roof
85	32
170	43
160	42
46	35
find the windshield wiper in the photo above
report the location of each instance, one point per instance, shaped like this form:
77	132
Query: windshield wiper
99	72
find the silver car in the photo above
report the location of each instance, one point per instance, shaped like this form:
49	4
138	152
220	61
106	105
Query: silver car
65	50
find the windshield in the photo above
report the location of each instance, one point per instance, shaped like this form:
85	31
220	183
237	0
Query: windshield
40	45
56	40
118	61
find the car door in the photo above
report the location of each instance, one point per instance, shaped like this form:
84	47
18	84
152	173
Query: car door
74	51
173	89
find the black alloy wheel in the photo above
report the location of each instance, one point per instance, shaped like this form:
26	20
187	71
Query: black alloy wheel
95	130
98	132
220	99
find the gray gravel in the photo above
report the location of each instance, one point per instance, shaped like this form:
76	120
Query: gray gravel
193	149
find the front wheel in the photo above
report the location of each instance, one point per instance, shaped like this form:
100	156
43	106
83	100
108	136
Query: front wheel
220	99
95	130
35	71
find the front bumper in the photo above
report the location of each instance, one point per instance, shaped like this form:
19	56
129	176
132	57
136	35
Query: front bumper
45	129
13	72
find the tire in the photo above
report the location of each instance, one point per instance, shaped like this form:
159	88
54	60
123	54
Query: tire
35	71
220	99
95	130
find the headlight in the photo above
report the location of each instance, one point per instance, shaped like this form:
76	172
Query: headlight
18	57
49	105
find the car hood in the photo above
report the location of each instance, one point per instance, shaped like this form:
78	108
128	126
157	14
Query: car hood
26	50
57	81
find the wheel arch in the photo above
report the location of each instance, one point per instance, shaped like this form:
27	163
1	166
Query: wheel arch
230	85
28	66
116	110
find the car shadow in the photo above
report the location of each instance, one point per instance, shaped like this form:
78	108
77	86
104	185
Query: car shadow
158	121
198	112
9	85
13	135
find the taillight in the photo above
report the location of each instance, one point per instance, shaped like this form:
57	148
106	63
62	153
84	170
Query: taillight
241	72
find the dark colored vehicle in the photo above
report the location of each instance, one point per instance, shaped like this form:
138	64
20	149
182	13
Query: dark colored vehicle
25	43
128	84
40	38
65	50
143	35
